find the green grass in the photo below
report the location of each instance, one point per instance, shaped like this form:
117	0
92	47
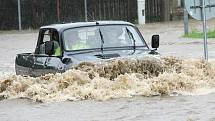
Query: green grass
197	34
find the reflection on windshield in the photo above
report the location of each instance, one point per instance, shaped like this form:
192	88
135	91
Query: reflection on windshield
101	37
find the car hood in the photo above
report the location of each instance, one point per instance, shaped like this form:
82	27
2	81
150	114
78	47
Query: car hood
98	56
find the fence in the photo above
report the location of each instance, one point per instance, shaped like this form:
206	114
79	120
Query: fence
35	13
153	10
164	10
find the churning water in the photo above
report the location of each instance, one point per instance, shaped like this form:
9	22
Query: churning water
116	78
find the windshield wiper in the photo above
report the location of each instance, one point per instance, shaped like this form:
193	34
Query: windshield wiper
131	37
102	38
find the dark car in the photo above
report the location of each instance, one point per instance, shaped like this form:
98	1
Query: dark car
61	46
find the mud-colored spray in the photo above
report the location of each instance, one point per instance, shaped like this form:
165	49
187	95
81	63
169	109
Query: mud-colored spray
116	78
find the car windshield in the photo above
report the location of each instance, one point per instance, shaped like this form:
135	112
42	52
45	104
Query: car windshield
101	37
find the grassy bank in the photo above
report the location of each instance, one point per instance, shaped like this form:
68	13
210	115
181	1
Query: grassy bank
197	34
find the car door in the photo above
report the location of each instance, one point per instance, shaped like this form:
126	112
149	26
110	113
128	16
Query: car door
43	63
46	64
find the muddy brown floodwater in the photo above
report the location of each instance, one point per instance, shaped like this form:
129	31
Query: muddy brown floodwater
179	86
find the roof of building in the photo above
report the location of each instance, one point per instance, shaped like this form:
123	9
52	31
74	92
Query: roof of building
64	26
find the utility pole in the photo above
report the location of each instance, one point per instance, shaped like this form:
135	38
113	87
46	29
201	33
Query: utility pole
19	14
85	7
186	21
205	29
58	10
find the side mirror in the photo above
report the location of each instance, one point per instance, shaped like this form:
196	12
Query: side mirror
49	47
67	60
155	41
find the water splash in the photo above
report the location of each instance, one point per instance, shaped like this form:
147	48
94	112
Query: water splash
115	78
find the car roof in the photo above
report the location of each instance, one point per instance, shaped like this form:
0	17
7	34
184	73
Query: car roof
63	26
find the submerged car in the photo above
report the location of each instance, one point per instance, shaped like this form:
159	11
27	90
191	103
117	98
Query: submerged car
61	46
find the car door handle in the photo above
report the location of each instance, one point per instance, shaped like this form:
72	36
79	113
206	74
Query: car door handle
46	62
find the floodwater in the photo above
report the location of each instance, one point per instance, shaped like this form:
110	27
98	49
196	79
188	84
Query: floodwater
180	108
183	90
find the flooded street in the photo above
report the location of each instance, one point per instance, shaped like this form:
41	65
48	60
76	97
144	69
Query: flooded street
181	108
186	95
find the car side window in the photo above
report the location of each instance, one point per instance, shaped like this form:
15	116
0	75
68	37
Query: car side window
46	36
50	35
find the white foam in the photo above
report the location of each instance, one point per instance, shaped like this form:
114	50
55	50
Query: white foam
116	78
